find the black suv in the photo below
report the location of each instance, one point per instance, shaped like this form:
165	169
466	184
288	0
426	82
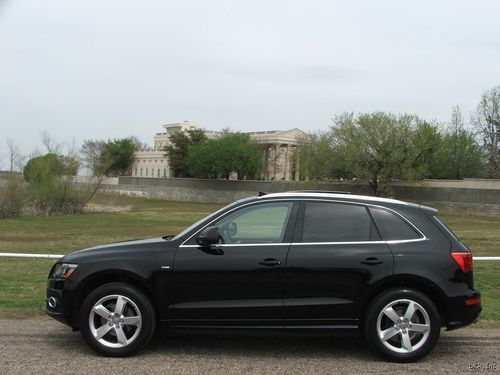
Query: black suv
296	261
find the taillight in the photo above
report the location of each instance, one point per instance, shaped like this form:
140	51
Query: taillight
473	301
463	259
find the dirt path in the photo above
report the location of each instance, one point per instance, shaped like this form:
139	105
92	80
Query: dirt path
46	346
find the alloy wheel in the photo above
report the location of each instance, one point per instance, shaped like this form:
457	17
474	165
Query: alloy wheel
403	326
115	321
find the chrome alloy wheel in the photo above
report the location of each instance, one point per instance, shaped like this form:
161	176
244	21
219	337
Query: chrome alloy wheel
115	321
403	326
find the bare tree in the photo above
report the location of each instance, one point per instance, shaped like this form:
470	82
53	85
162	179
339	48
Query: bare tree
486	118
16	159
139	145
225	132
52	146
93	156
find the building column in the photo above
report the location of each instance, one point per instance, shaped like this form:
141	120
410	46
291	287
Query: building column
285	165
275	164
289	163
297	165
265	169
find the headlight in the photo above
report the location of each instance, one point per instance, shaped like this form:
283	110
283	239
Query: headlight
64	270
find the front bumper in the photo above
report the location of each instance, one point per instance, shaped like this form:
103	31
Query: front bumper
57	303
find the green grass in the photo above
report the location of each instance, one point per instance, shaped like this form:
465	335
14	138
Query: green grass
22	281
144	218
487	281
480	233
22	286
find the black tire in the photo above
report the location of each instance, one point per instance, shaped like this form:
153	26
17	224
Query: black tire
117	320
408	336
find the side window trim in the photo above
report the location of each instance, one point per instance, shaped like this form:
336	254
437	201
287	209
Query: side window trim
293	233
290	227
374	223
299	226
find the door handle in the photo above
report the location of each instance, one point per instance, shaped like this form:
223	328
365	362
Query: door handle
270	262
371	261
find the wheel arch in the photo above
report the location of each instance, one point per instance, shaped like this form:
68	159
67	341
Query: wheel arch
98	279
425	286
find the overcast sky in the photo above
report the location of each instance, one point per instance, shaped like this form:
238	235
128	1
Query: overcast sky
112	68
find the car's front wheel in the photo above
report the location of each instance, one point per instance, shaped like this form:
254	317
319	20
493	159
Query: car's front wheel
117	320
402	325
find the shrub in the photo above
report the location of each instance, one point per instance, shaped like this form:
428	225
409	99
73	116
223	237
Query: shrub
56	196
12	196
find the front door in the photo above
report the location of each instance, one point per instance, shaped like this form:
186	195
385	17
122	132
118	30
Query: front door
240	280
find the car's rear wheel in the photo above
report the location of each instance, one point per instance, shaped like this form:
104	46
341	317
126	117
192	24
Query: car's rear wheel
117	320
402	325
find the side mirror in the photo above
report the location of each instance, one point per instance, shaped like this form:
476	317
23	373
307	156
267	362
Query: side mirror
208	236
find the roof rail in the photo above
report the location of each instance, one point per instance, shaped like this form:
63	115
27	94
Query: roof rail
321	191
261	193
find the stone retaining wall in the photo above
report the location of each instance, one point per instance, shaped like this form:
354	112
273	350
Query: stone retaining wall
472	196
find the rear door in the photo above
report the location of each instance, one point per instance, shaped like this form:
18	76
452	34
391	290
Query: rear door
336	254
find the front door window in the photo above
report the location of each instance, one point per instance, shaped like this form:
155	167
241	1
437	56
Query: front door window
256	224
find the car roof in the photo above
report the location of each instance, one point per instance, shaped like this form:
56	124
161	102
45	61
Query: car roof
338	196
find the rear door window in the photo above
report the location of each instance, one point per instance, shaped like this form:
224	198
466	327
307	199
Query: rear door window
337	222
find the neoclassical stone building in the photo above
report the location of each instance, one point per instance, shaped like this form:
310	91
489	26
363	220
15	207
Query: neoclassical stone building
278	152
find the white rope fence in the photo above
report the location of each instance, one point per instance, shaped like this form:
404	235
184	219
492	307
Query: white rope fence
21	255
57	256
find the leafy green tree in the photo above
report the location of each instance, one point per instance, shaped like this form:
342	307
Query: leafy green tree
118	155
458	155
379	147
178	149
203	160
239	154
424	143
221	157
111	158
318	160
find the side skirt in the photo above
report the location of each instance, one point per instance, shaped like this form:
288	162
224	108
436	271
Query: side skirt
261	330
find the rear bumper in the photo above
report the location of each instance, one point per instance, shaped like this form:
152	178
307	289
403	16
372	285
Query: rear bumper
461	314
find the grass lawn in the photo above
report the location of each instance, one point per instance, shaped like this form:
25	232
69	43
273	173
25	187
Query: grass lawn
136	218
22	281
480	233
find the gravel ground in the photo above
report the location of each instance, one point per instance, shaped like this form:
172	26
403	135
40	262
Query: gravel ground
45	346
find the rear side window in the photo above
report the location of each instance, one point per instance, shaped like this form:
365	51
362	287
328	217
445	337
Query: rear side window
392	227
336	222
